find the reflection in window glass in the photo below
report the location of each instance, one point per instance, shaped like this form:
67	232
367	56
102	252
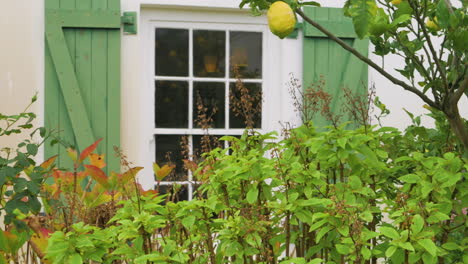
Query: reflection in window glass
171	104
191	94
209	52
172	52
176	192
205	143
246	54
169	150
245	108
208	105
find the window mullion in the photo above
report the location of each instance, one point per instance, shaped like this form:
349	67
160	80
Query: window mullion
190	102
226	91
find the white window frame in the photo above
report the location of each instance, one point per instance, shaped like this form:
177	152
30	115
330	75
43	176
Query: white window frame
273	80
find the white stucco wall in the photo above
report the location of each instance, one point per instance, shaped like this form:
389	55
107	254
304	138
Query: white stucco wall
22	68
21	59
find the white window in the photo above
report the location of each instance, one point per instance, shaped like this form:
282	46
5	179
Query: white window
190	56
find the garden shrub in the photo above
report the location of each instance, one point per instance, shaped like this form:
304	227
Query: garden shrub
334	196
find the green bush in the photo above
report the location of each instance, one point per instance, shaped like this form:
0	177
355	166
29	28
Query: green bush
337	196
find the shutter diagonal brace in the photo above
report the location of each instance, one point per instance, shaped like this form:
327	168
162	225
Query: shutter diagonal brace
61	57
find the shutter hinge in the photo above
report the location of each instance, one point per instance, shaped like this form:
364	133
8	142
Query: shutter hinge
129	21
294	34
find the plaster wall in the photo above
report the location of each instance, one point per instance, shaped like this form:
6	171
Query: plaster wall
22	68
21	59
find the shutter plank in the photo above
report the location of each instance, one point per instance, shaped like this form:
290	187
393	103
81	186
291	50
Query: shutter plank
78	46
52	93
113	92
356	70
69	86
322	63
66	129
324	57
98	108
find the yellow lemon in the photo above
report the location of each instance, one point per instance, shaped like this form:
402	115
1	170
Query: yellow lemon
281	19
432	25
395	2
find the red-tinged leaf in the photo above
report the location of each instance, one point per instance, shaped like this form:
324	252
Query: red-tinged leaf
98	175
48	163
81	176
190	165
56	174
85	153
45	232
149	193
40	241
97	160
53	190
73	154
129	175
161	173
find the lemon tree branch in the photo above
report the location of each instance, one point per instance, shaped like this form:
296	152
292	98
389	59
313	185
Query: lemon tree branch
369	62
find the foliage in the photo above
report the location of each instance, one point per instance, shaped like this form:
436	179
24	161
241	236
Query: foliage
411	29
84	193
333	196
20	180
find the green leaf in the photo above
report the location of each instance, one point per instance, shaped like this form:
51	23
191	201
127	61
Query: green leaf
380	24
294	261
390	251
318	224
366	253
342	142
404	8
354	182
443	14
451	246
75	259
314	201
343	230
429	246
417	225
362	13
315	261
389	232
366	216
304	215
429	259
188	221
406	245
400	20
322	233
410	178
252	195
343	249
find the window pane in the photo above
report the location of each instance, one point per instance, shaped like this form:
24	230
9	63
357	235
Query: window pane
172	52
171	104
205	143
245	108
169	150
208	105
246	54
209	52
176	192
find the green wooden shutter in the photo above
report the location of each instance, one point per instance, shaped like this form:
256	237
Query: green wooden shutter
82	67
323	57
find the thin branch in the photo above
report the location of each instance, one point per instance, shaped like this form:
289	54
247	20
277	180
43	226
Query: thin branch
462	89
363	58
431	47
